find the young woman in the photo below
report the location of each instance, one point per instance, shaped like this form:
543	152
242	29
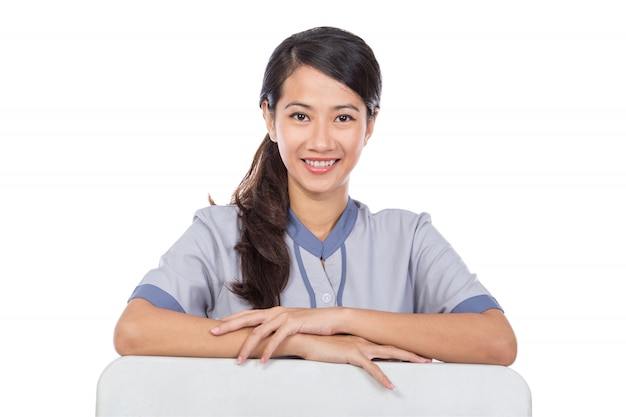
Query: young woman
295	266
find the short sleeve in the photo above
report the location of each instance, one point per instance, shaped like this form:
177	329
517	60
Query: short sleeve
191	273
443	282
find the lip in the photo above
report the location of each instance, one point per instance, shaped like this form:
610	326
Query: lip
322	168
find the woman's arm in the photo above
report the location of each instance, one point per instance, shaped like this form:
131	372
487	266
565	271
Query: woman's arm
456	337
144	329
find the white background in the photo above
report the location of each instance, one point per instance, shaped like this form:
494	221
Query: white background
503	119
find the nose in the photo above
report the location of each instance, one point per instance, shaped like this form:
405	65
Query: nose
322	137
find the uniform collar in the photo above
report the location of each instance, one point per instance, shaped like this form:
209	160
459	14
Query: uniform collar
308	241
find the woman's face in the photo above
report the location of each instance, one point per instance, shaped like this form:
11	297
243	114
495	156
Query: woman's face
320	126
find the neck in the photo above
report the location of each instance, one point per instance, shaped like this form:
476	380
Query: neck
319	215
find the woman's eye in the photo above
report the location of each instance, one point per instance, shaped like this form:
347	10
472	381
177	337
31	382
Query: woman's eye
301	117
344	118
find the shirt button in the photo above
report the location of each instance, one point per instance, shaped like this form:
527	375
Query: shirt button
327	297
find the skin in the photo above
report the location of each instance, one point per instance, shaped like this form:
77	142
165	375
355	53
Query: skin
319	119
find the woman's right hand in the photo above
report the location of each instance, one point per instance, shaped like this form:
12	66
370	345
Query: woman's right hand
355	351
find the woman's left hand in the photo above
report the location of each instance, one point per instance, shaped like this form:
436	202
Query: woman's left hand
278	323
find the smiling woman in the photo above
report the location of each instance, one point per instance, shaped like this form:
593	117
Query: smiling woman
321	127
295	266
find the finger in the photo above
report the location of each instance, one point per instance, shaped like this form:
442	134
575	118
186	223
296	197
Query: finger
375	371
392	352
276	340
239	314
257	335
236	323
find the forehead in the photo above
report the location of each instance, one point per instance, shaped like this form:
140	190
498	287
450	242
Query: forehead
311	86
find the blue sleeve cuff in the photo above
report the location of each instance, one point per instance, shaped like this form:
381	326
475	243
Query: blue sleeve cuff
156	296
477	304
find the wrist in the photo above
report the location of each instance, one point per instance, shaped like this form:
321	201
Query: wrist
344	316
294	345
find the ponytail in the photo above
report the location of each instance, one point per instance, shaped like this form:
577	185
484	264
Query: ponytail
263	202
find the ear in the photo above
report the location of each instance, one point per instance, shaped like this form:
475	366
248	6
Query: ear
371	121
268	115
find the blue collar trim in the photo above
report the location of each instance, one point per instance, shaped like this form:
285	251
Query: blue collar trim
309	242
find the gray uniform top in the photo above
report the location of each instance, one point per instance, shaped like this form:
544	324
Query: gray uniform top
393	260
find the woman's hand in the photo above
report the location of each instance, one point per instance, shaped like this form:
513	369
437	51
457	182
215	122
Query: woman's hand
278	323
356	351
323	344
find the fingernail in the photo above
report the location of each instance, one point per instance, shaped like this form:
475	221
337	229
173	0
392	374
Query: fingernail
239	360
215	330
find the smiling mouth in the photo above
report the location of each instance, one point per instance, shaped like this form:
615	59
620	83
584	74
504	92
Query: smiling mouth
320	164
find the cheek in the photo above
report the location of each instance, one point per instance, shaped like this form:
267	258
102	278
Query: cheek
284	132
356	142
288	139
287	151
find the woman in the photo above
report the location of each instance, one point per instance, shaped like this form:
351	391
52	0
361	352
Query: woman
294	266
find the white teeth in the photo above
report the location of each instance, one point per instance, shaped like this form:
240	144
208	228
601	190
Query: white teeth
320	164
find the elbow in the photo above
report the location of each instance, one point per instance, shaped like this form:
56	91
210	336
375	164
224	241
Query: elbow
503	351
131	335
126	338
499	342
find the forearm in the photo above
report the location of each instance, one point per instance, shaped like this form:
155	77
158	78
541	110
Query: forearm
144	329
459	337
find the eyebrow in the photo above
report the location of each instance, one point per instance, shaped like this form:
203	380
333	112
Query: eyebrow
338	107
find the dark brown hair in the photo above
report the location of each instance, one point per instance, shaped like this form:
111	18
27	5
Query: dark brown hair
262	196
